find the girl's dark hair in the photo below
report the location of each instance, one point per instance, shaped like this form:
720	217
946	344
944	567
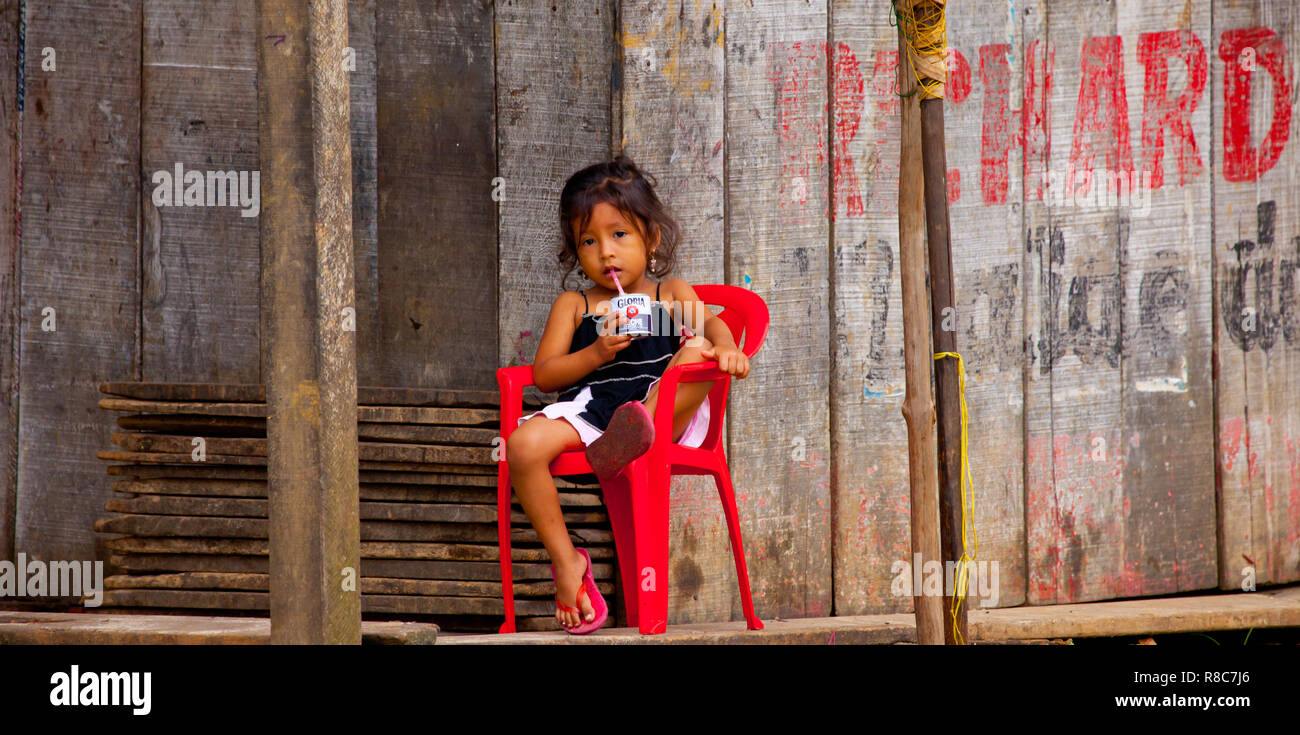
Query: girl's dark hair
621	184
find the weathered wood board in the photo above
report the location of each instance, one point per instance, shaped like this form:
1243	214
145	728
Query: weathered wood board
435	119
369	549
402	568
367	395
81	192
370	603
369	491
668	99
1119	491
368	585
868	434
553	118
981	104
1167	541
224	527
1256	248
424	477
190	505
363	86
380	414
777	244
10	314
200	261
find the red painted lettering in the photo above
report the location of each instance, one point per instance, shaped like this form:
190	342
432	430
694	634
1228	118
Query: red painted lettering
1159	113
848	90
998	128
1003	127
1040	57
1101	115
958	87
1243	50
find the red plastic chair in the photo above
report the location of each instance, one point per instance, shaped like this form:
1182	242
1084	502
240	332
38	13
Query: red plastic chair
638	499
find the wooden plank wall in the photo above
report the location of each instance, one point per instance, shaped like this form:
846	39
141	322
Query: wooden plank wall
778	238
1119	482
669	97
1092	334
988	254
437	303
1256	235
80	196
9	314
200	265
867	432
554	76
1166	380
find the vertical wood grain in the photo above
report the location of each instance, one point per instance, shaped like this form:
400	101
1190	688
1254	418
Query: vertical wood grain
868	433
553	118
669	98
9	283
80	199
437	265
199	280
777	179
1256	233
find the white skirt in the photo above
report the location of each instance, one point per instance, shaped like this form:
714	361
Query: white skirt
569	410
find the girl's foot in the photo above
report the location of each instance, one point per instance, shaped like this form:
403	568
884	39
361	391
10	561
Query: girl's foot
568	579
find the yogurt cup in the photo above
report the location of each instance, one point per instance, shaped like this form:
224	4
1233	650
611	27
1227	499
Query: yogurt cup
636	307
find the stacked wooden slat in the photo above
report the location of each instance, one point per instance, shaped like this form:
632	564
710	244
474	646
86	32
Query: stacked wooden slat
195	526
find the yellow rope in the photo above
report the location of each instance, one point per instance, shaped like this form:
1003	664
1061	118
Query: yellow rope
967	503
927	42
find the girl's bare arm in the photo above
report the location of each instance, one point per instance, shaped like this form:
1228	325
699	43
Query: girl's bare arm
554	367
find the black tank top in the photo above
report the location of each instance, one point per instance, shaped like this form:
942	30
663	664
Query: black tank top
629	375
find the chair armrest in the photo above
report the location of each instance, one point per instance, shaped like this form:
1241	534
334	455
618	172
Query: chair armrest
694	372
512	381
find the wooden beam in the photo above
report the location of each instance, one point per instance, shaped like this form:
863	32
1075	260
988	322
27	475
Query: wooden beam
307	279
943	320
918	400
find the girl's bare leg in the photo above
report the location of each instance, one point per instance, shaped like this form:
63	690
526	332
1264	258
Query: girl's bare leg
529	451
689	395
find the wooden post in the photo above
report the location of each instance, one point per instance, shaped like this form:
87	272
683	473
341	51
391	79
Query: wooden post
918	358
944	320
942	310
309	358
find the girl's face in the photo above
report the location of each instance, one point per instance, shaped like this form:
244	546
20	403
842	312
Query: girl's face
611	241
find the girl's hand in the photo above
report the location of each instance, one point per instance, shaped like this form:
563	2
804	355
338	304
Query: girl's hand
730	360
607	343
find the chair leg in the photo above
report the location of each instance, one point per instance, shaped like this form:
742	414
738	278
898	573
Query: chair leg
728	495
649	480
618	501
503	544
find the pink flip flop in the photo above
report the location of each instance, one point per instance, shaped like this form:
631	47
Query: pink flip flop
630	433
589	589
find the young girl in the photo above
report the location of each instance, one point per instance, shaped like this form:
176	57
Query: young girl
613	225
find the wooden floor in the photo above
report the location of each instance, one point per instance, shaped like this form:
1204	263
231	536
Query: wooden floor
43	628
1275	608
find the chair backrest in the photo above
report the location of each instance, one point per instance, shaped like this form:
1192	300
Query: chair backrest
743	312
